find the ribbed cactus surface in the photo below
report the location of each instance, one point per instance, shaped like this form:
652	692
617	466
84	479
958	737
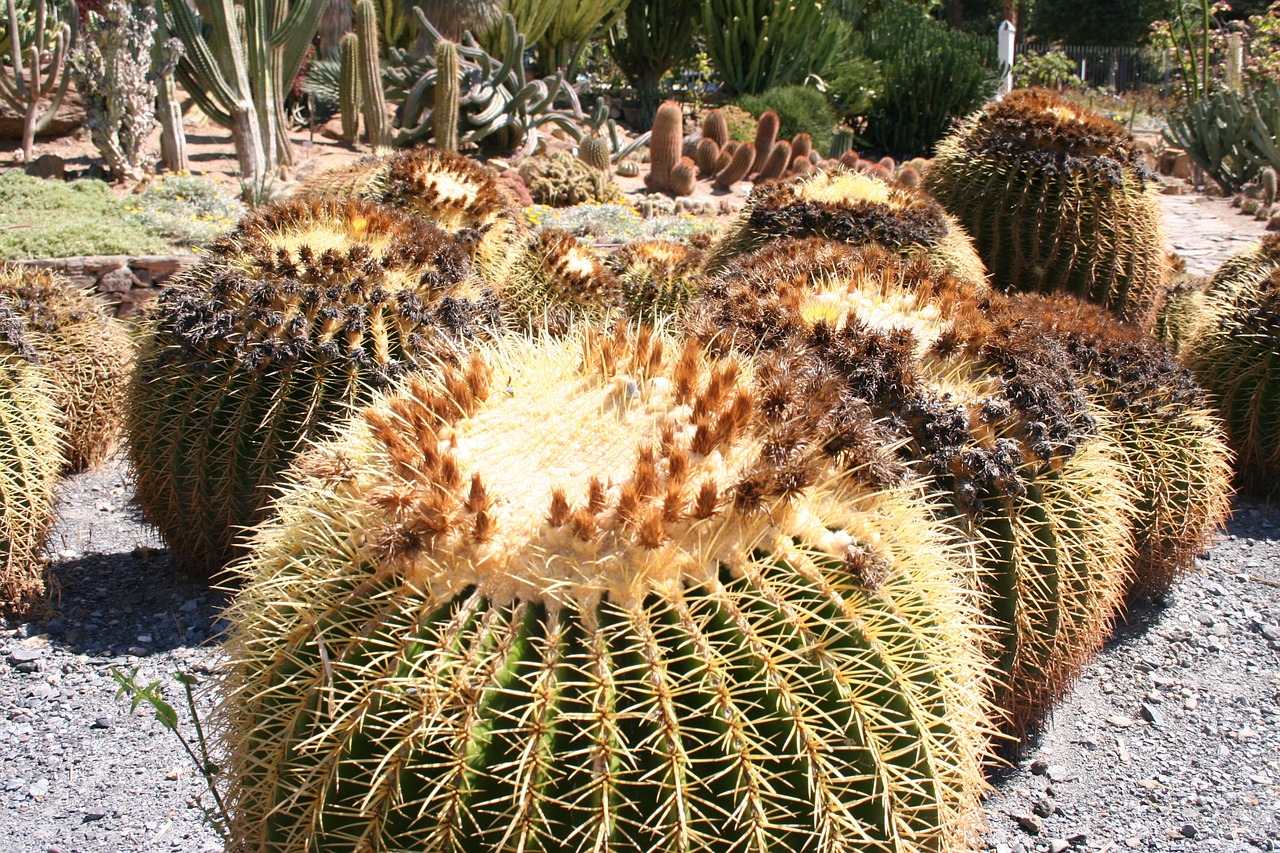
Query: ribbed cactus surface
657	621
304	310
855	209
1234	352
657	277
30	456
350	98
87	355
373	100
444	113
1058	200
558	280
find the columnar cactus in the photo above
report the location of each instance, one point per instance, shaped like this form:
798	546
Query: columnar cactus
665	146
776	163
801	145
349	99
88	356
683	179
706	156
987	408
716	127
766	135
1235	353
1057	199
444	115
38	66
304	310
30	454
737	167
373	100
850	208
672	626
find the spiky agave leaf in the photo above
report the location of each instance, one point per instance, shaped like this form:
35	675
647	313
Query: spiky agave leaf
304	310
455	193
557	280
1058	200
30	455
579	595
1235	354
854	208
1176	448
87	354
658	277
987	406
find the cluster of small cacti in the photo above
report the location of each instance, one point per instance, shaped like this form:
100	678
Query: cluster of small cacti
562	180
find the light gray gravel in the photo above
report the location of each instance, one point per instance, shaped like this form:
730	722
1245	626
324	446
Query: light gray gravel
79	773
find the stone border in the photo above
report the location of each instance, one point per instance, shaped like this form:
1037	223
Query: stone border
126	282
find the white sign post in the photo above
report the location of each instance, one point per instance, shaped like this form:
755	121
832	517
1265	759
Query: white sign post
1007	36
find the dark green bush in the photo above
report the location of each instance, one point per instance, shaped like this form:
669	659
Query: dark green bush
932	74
851	86
800	109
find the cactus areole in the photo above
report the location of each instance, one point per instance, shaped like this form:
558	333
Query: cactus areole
578	595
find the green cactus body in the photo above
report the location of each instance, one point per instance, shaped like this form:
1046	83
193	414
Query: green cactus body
986	407
444	115
448	190
559	280
628	169
594	151
652	643
1268	181
766	135
738	167
665	145
1057	200
776	164
372	98
1179	465
841	142
304	310
852	208
349	100
1182	310
1235	353
87	355
30	456
707	155
658	277
716	128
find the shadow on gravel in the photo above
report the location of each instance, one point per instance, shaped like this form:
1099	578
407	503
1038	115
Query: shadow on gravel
136	603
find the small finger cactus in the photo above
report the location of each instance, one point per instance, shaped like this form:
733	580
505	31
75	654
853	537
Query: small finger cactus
1235	353
580	595
304	310
1058	200
562	180
444	113
349	96
855	209
88	357
30	454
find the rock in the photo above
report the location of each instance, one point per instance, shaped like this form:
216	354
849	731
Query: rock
1119	721
1042	807
1057	845
1030	823
1181	166
1188	831
24	655
1039	767
1079	839
101	723
1058	773
38	789
1152	715
48	166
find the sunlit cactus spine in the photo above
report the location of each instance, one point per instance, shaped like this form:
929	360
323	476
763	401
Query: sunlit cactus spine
30	456
1058	200
581	595
373	99
87	354
657	278
305	309
448	190
987	408
855	209
1235	353
444	113
349	100
737	168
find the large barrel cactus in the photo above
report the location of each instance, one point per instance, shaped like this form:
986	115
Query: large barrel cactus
988	408
852	208
1235	353
584	594
1175	446
1058	200
30	455
453	192
657	277
88	356
305	309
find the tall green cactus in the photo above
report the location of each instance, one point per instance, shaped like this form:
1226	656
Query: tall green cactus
650	39
239	59
759	45
490	618
373	100
444	115
349	98
30	79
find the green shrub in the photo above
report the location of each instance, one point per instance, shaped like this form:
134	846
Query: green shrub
185	209
53	219
800	109
852	86
932	74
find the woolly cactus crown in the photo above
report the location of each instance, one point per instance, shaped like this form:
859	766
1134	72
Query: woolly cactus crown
1037	120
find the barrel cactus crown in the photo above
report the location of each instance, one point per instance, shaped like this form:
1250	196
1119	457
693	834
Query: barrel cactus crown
30	453
579	594
1235	354
453	192
853	208
88	356
305	309
983	406
658	277
1174	445
1057	199
557	280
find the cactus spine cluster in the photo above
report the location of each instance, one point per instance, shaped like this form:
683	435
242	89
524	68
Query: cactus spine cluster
349	100
1057	199
372	98
559	280
657	277
444	115
88	356
30	453
304	310
672	626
